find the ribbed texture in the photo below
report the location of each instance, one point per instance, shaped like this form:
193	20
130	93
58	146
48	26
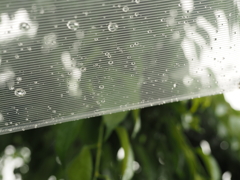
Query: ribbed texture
68	60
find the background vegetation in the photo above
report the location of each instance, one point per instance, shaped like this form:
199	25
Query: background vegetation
161	142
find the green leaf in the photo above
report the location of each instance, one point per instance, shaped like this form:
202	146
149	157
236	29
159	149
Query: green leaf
137	122
89	131
81	167
215	171
148	167
108	161
127	163
234	125
196	104
210	164
66	134
112	121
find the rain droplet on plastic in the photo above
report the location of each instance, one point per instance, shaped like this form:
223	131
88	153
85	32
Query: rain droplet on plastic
19	92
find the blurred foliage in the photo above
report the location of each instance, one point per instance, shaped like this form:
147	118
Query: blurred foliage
165	145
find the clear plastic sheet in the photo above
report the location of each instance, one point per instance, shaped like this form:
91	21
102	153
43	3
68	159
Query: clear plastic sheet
63	60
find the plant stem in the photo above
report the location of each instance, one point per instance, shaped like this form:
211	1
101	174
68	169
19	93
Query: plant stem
99	151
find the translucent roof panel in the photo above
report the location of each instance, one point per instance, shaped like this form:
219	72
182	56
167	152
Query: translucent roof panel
63	60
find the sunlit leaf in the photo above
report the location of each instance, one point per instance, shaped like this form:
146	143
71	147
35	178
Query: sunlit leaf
137	121
112	121
210	164
127	163
234	124
196	104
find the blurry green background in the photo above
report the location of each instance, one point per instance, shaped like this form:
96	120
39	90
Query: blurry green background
196	139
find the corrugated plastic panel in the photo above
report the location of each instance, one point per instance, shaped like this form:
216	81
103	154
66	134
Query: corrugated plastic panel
63	60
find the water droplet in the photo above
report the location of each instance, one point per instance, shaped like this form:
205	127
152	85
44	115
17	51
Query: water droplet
136	14
54	111
112	27
83	69
125	8
149	31
137	1
24	26
19	92
110	62
101	86
35	82
74	25
19	79
11	88
107	54
174	85
16	56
